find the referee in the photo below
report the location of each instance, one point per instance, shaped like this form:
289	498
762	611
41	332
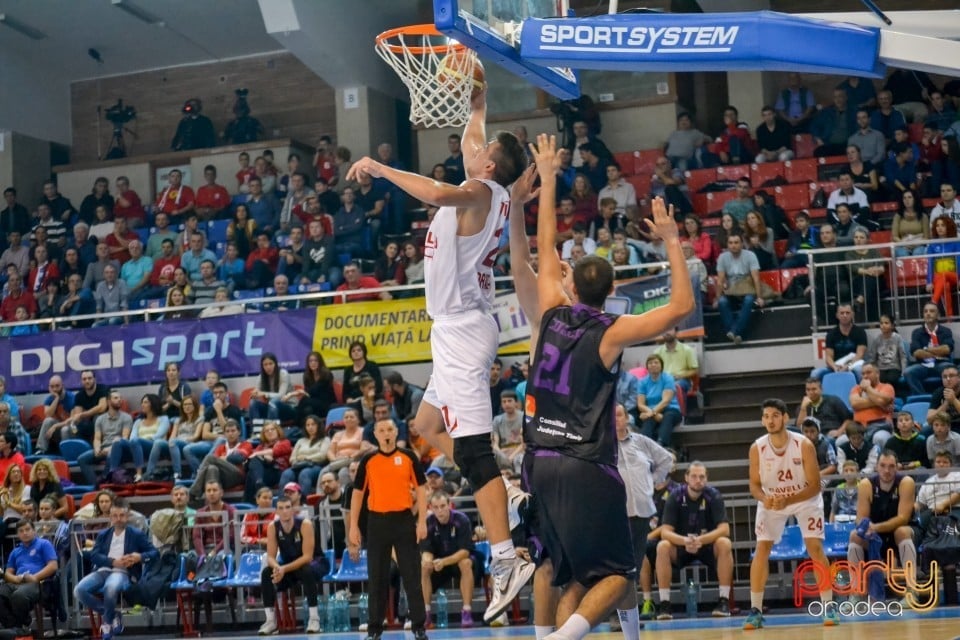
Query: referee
387	477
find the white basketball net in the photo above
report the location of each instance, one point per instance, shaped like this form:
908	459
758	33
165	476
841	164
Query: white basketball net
417	60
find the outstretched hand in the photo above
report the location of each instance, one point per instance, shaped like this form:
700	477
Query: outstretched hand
365	165
478	100
663	224
523	190
545	155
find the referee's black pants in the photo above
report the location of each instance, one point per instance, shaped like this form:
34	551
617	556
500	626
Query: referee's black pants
385	532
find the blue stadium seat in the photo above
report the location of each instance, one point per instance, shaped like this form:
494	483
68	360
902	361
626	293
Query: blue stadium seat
332	563
144	235
839	383
248	571
352	571
483	547
790	546
920	397
335	417
71	449
217	232
918	410
836	536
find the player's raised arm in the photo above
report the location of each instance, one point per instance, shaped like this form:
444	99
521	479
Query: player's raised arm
475	132
471	194
550	276
524	278
631	329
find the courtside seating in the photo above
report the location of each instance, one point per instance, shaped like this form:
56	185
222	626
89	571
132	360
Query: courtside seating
772	278
71	449
790	546
787	276
352	571
839	383
836	537
910	272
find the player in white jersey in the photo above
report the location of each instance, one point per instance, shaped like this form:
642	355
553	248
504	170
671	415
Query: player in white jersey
456	415
785	479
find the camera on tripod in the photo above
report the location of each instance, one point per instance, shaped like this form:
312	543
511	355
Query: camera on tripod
120	115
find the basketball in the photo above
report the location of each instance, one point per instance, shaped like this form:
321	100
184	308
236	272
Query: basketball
453	70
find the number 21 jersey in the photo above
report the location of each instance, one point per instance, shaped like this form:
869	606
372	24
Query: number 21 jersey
572	394
458	270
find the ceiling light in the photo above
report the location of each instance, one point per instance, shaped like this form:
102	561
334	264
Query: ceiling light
140	14
25	29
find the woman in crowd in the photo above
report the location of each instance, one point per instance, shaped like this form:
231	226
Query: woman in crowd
186	429
98	197
368	396
346	444
102	224
256	523
412	263
182	281
773	214
309	456
175	300
232	267
584	199
318	394
886	351
728	226
172	391
47	300
14	492
242	231
866	268
657	404
759	239
388	269
864	174
44	483
604	243
274	398
700	240
268	461
352	372
910	226
942	263
150	429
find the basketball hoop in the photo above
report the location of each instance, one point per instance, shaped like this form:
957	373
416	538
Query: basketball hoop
415	53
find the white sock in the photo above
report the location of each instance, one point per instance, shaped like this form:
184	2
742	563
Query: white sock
908	553
575	628
270	614
664	595
314	613
629	623
542	631
503	550
427	608
756	600
468	607
647	595
854	553
725	591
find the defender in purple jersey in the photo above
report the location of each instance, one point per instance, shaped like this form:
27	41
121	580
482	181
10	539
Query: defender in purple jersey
570	426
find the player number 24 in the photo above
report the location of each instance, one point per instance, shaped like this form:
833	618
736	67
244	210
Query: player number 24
784	475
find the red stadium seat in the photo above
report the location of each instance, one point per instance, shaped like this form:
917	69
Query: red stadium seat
641	184
800	171
700	204
760	173
627	162
780	247
645	160
699	178
879	237
880	207
916	131
792	196
817	214
733	172
245	398
772	278
716	200
803	145
710	222
787	276
930	203
833	160
911	272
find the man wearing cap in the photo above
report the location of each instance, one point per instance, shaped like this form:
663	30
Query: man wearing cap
294	492
436	482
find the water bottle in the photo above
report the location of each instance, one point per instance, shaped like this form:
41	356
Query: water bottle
330	621
363	608
321	609
343	613
692	593
443	616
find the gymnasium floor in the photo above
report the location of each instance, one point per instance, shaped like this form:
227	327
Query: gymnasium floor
940	624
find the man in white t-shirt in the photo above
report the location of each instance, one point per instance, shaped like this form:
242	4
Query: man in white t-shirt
940	492
620	190
948	205
580	237
738	281
848	194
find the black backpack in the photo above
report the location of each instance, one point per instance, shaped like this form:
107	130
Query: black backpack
155	581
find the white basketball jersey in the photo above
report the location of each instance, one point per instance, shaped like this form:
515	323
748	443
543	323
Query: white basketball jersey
782	474
458	270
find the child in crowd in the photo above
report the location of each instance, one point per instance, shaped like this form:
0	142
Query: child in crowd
908	444
844	507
